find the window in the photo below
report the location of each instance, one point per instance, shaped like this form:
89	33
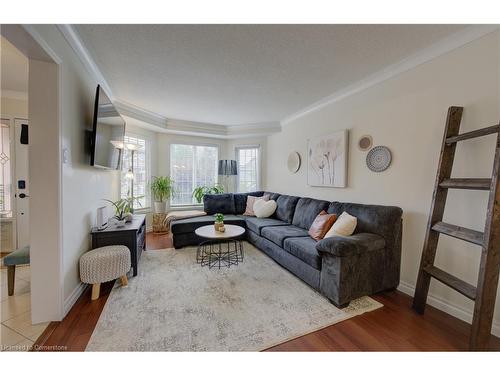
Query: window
248	168
139	184
5	171
191	166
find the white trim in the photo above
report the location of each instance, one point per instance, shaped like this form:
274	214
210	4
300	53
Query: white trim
435	50
147	120
14	94
84	56
447	307
73	297
42	43
155	122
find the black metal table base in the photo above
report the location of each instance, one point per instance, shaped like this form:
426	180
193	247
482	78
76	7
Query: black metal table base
217	253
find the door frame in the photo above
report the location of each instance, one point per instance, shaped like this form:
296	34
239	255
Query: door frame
45	172
16	177
13	202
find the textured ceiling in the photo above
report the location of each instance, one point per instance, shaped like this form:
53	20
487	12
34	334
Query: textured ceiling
14	68
242	74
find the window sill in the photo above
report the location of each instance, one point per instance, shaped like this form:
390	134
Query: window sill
182	207
143	210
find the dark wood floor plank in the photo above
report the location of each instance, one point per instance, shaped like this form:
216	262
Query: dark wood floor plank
394	327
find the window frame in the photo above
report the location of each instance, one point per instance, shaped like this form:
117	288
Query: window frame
147	146
194	144
11	215
259	160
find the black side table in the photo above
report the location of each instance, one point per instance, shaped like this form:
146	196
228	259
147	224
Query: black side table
132	235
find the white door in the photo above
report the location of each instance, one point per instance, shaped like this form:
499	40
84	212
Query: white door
21	182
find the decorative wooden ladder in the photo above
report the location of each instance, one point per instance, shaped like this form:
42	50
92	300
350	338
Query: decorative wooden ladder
484	294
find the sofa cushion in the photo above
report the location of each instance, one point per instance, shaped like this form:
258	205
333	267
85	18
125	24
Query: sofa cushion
344	226
280	233
286	207
272	196
251	200
192	223
321	225
306	211
353	245
381	220
240	200
255	224
264	208
218	204
304	248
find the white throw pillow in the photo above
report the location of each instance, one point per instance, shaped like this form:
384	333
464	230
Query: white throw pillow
344	226
263	208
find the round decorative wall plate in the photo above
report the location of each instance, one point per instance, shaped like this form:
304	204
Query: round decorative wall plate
365	142
293	162
378	159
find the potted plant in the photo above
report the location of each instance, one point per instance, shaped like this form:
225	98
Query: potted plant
219	222
162	188
200	191
123	209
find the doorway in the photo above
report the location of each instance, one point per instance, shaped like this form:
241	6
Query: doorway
17	330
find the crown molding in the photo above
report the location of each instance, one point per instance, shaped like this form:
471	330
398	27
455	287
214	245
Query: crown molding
199	129
13	94
153	121
84	56
433	51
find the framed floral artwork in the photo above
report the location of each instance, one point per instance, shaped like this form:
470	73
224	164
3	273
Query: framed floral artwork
327	160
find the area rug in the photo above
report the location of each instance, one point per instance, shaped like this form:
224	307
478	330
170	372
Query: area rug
174	304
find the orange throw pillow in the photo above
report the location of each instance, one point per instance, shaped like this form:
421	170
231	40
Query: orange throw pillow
321	225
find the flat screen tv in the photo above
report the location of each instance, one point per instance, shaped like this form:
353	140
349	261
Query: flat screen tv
108	133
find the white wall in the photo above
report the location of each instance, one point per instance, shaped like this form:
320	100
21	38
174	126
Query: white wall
407	114
83	187
14	107
45	192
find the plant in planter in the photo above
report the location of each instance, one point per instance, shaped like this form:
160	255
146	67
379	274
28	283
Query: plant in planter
219	222
200	191
123	209
162	188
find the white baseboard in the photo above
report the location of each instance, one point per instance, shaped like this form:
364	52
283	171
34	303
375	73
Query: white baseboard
73	297
447	307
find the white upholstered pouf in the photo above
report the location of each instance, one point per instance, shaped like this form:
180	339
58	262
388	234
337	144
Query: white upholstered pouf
104	264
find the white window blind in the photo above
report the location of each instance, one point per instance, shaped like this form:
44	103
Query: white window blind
191	166
248	169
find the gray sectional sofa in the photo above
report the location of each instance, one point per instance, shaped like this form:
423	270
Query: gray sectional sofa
341	268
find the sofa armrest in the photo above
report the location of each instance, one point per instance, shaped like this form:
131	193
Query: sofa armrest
352	245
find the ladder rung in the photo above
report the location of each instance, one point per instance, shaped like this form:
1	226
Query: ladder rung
473	134
465	234
453	282
466	183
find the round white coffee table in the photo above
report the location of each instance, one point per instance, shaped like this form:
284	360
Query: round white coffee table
220	249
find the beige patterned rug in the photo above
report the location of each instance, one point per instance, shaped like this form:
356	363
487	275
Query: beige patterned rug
174	304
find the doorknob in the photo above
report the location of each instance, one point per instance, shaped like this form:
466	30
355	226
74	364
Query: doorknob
22	195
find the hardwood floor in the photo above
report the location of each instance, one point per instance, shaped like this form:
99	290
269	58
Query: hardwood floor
158	241
394	327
